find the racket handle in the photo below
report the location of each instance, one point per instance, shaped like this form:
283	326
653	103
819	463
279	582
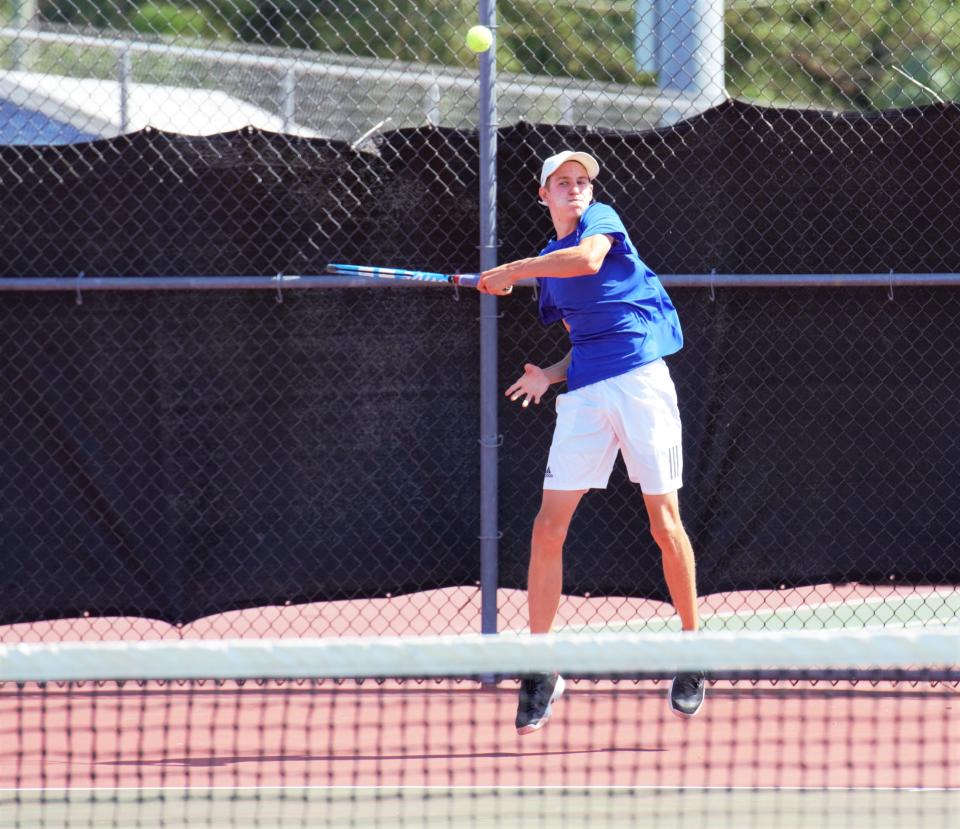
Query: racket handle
466	280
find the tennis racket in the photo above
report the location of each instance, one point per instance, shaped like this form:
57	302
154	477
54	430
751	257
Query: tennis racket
465	280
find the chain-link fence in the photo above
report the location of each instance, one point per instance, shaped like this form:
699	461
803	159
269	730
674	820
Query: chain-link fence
174	455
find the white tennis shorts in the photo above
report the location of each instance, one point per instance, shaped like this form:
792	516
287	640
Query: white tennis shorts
634	413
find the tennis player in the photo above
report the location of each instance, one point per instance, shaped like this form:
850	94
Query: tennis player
619	397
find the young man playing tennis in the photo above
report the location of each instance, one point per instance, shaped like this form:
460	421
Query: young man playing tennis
620	397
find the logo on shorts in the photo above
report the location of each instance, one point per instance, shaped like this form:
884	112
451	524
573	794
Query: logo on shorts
548	473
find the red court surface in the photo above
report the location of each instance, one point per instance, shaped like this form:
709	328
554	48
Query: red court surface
430	754
871	735
457	610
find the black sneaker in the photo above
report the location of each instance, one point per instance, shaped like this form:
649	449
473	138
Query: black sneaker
686	694
537	695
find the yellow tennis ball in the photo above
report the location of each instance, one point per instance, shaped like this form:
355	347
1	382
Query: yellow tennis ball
479	39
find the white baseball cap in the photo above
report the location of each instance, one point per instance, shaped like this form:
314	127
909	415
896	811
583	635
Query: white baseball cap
550	166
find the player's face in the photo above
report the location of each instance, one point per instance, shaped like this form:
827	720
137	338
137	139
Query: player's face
569	191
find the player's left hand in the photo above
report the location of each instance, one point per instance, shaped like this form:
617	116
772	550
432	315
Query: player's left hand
531	386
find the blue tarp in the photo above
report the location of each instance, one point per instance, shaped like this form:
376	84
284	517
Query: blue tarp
26	126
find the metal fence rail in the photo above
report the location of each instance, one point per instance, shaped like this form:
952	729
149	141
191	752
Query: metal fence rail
345	98
283	282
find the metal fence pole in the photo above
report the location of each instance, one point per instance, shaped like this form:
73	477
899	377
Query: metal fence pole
124	78
690	56
25	17
288	107
645	35
489	436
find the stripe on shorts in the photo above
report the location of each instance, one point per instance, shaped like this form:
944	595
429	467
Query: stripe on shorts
674	458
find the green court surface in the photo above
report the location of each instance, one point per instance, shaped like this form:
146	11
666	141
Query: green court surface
910	610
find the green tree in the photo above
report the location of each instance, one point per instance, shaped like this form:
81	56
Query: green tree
171	19
587	39
844	53
428	31
94	13
841	54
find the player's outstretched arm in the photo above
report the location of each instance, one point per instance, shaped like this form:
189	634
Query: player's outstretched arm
582	260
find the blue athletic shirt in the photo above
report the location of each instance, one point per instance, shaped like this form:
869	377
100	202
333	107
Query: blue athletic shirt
619	317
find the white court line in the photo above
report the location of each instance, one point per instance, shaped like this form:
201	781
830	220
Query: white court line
475	788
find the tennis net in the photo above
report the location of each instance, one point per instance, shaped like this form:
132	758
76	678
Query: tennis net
799	729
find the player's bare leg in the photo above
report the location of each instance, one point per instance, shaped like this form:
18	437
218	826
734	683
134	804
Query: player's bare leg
545	576
679	570
538	692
